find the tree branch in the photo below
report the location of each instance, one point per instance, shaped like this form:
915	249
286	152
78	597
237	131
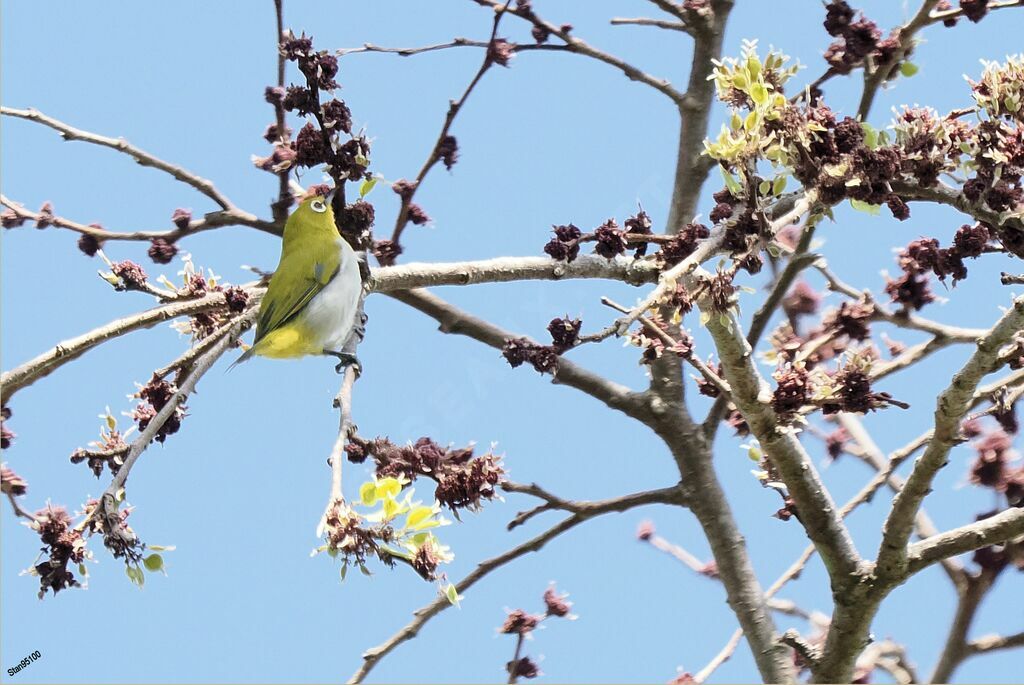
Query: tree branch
454	320
144	158
952	404
210	221
14	380
993	530
581	47
817	510
420	617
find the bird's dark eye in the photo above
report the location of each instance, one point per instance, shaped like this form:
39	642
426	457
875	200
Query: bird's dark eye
318	206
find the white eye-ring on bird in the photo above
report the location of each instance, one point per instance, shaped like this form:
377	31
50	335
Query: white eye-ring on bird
318	206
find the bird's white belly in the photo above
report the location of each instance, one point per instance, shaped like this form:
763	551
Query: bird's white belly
331	313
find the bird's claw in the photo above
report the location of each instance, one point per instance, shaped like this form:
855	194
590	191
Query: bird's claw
347	359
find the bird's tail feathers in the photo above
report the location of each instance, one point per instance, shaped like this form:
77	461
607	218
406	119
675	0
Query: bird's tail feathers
246	356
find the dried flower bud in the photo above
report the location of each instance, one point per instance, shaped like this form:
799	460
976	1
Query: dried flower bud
309	146
131	275
898	207
161	251
519	622
11	219
337	116
448	151
45	217
792	392
838	16
236	299
523	667
565	333
416	214
11	483
801	300
404	188
357	219
181	218
89	245
645	530
556	604
610	242
386	251
975	10
500	51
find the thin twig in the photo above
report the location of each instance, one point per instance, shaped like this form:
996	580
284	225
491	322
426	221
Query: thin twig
420	617
144	158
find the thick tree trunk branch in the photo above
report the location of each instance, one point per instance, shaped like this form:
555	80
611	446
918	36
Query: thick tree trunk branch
454	320
816	510
993	530
952	404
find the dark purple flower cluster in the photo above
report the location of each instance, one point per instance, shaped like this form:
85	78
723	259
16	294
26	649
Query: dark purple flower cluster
993	467
501	52
924	255
6	436
853	393
11	483
851	319
463	480
543	358
856	39
155	395
522	625
565	333
609	239
386	251
62	545
792	391
683	244
131	276
448	151
356	222
565	246
162	251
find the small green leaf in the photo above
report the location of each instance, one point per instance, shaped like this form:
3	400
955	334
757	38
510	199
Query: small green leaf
870	135
452	593
368	493
344	572
779	185
908	69
82	570
136	575
862	206
161	548
366	186
759	94
418	516
154	563
763	187
731	183
366	571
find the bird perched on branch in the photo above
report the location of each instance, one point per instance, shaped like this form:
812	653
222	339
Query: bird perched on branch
312	302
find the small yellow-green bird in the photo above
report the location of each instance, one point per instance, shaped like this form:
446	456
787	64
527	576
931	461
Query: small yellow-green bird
311	303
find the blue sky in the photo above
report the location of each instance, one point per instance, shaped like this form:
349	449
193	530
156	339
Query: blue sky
239	490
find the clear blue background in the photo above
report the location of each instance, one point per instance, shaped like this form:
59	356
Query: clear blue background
555	138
